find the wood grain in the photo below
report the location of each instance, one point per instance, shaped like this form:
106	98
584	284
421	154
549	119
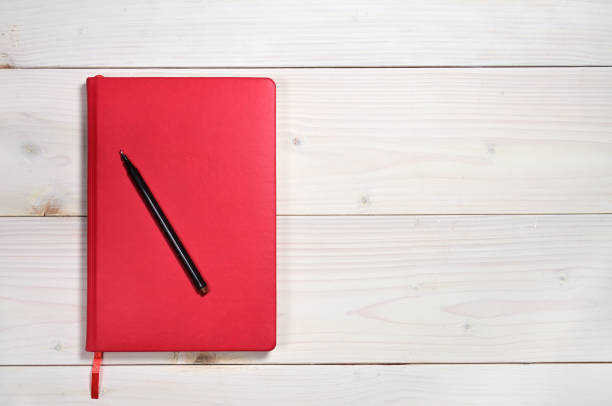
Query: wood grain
357	290
359	141
447	385
351	289
296	33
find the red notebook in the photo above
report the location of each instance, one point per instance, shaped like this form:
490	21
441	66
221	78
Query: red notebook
206	148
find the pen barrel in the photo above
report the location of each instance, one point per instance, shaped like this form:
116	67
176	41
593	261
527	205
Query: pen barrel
165	225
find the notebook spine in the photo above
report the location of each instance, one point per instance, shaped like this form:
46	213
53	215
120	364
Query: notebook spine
92	126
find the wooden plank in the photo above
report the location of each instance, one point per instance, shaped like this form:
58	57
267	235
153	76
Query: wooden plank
314	384
357	289
296	33
359	141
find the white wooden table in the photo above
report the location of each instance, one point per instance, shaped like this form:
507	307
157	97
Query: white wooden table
444	198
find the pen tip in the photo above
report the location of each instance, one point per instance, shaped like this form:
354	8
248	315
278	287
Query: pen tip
123	156
204	290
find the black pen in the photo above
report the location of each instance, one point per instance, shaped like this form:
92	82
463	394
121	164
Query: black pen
164	224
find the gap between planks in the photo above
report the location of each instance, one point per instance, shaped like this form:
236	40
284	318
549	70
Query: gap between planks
7	66
340	364
360	215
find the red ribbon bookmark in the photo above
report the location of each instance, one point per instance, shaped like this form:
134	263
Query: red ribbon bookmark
95	375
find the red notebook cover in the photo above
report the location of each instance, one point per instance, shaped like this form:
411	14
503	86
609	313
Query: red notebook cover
206	148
